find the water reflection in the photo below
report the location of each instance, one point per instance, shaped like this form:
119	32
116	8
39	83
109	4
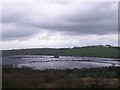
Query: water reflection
63	62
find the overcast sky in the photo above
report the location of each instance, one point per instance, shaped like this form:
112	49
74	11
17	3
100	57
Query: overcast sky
52	24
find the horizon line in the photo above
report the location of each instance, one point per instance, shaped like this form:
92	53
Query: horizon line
62	47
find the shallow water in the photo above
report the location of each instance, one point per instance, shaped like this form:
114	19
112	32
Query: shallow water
63	62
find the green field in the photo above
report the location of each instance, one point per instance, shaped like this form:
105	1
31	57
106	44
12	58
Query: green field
81	51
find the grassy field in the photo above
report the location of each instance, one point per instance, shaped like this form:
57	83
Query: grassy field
93	51
76	78
82	51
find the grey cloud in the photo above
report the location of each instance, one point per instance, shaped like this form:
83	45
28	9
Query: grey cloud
99	20
80	28
10	18
100	11
14	32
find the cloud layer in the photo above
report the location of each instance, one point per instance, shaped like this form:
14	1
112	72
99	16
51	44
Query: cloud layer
25	21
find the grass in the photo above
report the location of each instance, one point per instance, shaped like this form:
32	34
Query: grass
82	51
76	78
93	51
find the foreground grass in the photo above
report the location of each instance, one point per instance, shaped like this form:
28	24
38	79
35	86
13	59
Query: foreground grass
83	78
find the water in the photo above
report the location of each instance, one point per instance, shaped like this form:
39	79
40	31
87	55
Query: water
63	62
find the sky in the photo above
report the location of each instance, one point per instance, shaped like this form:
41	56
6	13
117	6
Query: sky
54	24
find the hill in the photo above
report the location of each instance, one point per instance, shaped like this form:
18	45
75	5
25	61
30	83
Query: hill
90	51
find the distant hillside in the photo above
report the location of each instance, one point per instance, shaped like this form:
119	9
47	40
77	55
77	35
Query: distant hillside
95	51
